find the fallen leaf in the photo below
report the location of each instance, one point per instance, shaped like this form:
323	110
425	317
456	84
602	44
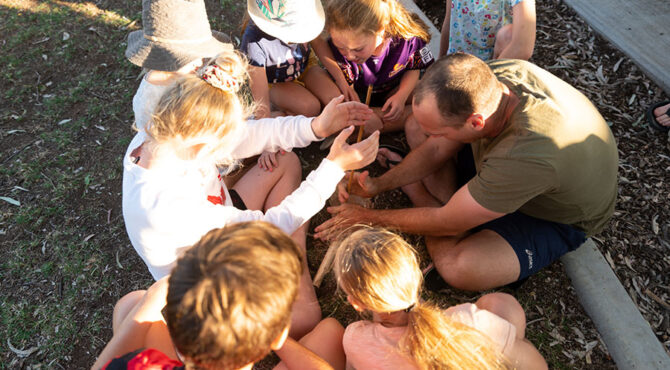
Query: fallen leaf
654	224
21	352
11	201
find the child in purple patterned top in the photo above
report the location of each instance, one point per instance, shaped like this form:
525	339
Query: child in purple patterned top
378	43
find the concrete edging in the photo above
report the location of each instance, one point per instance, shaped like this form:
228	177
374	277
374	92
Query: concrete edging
627	335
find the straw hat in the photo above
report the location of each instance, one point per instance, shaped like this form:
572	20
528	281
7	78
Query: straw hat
176	32
288	20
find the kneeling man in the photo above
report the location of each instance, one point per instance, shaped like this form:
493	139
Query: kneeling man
510	168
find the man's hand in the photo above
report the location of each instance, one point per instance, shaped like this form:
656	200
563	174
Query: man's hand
355	156
344	216
363	185
394	107
338	115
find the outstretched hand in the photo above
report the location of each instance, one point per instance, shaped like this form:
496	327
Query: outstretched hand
354	156
338	115
344	216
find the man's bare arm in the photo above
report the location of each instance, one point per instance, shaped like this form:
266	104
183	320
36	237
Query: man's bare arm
419	163
459	215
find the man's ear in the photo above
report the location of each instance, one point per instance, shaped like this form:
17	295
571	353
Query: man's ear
476	121
279	341
358	306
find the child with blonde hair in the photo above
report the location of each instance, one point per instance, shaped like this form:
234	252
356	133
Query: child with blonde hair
175	38
173	192
379	272
377	43
489	29
284	70
226	305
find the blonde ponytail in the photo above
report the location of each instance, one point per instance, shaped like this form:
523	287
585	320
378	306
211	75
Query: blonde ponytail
372	16
381	271
460	346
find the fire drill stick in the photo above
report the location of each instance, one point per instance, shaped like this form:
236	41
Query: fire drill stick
360	135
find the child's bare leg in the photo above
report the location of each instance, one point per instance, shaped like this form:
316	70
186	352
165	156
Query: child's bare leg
262	190
293	98
124	306
503	39
507	307
523	355
319	83
326	342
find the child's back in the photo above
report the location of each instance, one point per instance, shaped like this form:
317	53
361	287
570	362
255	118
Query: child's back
380	273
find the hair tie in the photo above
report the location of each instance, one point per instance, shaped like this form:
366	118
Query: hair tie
217	77
410	307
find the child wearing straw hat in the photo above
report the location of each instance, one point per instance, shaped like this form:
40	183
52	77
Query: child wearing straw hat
284	70
175	38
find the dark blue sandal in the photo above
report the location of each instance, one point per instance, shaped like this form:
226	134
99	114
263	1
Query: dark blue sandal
651	117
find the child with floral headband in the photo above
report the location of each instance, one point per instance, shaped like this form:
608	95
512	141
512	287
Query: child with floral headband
379	272
284	71
173	192
175	39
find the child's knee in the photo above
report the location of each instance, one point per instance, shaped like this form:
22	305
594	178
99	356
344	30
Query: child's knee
309	106
289	163
414	133
331	326
505	306
124	305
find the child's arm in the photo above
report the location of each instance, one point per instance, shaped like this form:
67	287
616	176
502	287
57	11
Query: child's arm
523	32
132	332
326	57
260	90
295	356
396	103
446	29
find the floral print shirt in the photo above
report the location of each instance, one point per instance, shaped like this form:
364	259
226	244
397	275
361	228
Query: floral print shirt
474	24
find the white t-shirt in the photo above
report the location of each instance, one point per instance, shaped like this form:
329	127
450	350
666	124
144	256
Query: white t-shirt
168	210
145	100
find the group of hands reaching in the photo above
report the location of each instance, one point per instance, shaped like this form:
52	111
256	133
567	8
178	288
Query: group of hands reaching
392	109
343	116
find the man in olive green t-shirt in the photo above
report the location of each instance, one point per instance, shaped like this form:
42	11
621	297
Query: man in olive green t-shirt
543	163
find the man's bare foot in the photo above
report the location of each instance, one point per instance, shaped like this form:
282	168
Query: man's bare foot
662	115
389	156
658	116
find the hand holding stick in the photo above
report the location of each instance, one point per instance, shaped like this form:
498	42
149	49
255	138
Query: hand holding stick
327	262
368	95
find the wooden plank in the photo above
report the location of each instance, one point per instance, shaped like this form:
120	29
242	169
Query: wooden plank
638	28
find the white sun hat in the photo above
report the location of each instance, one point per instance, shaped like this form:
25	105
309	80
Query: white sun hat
293	21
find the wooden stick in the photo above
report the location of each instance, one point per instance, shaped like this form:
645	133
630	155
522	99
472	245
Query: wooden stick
327	262
325	266
360	135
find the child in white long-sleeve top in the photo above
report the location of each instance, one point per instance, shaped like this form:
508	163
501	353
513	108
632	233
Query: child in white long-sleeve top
172	190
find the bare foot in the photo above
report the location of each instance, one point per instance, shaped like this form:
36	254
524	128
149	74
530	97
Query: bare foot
388	158
662	115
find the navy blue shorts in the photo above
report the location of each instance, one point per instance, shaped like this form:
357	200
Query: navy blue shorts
536	242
